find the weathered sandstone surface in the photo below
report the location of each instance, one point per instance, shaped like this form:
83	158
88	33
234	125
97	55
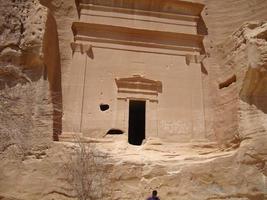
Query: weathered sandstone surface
25	108
34	52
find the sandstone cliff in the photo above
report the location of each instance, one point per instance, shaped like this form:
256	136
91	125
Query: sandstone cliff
34	52
26	110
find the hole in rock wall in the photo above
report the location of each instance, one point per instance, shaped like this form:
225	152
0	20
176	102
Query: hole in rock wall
104	107
115	132
228	82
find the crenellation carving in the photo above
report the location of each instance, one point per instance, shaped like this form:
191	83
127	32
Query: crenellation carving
194	58
189	18
161	6
83	48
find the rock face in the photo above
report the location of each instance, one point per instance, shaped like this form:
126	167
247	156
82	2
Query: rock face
35	54
26	109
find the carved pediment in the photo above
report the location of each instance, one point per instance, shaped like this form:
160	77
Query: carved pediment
138	83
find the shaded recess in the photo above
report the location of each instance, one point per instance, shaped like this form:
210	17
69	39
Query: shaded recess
201	27
254	89
202	30
228	82
53	71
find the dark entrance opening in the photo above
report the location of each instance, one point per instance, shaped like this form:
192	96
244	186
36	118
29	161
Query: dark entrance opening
137	122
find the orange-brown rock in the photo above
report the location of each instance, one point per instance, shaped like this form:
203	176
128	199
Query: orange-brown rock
78	69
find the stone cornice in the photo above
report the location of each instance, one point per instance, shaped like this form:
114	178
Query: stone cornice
161	6
88	46
138	82
83	48
138	12
137	44
138	87
137	37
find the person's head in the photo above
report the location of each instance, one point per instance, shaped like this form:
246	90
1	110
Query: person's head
154	193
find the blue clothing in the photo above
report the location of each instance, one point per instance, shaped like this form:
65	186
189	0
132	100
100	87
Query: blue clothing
153	198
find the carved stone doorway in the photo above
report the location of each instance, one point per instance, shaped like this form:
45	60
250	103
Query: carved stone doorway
137	107
137	122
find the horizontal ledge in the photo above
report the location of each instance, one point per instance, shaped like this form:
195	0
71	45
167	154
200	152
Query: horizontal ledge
87	15
131	36
140	44
161	6
83	47
139	12
136	98
138	92
137	84
85	28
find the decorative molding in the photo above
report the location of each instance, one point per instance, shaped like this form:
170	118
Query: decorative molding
137	91
137	37
138	88
138	84
126	98
136	43
83	48
160	6
189	18
194	58
146	48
